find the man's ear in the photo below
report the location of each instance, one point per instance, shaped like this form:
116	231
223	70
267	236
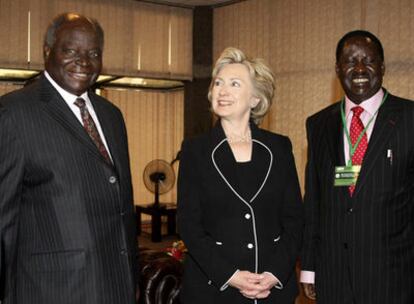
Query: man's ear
336	68
383	68
46	52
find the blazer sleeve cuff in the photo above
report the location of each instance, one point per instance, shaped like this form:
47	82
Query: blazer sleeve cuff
278	284
225	285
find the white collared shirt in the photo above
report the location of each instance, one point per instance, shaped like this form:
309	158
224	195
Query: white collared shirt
70	99
370	107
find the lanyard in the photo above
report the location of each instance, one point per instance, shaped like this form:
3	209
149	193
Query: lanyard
352	148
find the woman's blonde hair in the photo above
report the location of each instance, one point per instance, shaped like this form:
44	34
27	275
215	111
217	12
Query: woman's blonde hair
260	75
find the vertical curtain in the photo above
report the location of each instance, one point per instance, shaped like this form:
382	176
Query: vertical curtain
298	39
141	39
181	38
13	33
154	121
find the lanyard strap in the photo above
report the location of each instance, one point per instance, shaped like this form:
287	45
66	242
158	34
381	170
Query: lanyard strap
352	148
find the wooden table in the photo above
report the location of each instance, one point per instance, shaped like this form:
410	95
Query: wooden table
164	209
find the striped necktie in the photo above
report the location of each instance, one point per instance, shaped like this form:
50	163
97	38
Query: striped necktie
355	130
90	127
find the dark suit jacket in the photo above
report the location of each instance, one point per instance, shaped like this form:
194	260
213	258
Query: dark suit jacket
367	239
67	223
224	233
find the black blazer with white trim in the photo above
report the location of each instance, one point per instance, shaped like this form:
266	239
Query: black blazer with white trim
225	231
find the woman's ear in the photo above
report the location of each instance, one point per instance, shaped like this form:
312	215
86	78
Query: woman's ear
254	102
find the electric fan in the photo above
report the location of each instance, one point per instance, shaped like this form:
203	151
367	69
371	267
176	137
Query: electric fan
159	178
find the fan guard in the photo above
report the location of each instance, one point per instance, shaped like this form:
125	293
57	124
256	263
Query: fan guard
158	178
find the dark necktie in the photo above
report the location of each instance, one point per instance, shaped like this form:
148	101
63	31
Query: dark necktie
355	130
90	127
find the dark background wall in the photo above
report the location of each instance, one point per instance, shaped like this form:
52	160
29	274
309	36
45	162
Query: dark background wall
197	116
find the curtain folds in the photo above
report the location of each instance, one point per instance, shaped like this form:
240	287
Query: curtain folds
155	125
141	39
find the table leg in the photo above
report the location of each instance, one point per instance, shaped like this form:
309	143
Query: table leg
156	226
171	229
138	213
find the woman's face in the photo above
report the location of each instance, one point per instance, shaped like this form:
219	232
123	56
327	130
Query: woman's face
232	93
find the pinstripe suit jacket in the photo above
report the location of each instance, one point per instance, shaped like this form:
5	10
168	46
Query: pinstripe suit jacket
67	226
367	239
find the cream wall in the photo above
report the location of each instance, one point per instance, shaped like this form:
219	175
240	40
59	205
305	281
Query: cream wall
298	39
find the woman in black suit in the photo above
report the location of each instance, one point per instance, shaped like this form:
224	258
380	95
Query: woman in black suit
239	202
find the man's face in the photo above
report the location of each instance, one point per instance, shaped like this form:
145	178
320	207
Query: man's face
75	59
360	69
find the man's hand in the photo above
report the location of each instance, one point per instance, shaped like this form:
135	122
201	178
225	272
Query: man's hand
309	290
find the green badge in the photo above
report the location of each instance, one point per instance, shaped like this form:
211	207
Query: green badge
346	175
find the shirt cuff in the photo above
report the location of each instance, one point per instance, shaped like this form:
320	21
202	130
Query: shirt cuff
279	284
225	285
307	277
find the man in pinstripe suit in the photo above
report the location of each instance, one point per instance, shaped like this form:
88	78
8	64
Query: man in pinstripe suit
67	225
359	233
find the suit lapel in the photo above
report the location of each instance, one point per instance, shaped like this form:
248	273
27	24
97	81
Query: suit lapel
222	157
262	158
58	110
225	162
385	124
335	141
335	136
106	122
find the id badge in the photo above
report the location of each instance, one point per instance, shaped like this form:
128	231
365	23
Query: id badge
346	175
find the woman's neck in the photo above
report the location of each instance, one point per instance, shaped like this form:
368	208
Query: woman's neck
237	131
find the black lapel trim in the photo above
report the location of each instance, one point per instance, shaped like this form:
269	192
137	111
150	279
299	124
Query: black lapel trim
385	125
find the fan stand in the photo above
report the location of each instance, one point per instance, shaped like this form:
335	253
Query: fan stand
158	178
156	204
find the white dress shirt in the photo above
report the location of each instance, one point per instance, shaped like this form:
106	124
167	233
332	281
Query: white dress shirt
70	99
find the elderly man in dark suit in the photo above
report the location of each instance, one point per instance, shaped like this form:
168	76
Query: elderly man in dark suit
67	223
359	199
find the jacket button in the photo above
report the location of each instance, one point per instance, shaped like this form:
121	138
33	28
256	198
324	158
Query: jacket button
209	282
350	210
123	252
247	216
250	246
112	179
